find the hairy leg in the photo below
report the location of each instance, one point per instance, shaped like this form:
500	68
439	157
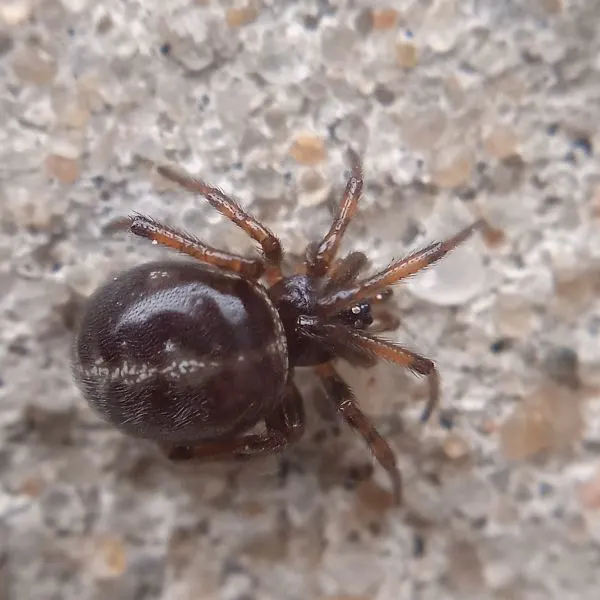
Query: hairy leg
345	271
359	347
283	427
337	301
321	259
183	242
413	361
341	394
228	207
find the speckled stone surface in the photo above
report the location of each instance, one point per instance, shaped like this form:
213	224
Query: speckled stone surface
459	109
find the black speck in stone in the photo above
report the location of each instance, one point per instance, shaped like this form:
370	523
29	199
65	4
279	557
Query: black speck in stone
446	418
375	528
584	144
500	345
311	22
562	365
418	545
353	537
384	95
98	181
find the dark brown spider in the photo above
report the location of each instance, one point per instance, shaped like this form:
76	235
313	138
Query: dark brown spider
194	354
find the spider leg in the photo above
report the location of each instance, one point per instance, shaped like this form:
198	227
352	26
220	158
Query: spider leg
183	242
350	344
341	394
272	276
228	207
283	426
345	271
335	302
385	320
382	297
324	253
403	357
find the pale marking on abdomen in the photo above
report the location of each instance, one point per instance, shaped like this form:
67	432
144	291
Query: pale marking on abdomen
159	275
136	373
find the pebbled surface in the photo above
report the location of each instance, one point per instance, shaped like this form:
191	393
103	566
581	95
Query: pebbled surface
459	109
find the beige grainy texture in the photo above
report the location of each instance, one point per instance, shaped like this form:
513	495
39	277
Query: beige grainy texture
459	108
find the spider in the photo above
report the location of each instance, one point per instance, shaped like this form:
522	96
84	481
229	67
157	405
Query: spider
195	354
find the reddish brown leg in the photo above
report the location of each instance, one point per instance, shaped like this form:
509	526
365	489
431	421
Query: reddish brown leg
405	358
322	259
284	426
167	236
347	341
272	276
229	208
398	270
341	394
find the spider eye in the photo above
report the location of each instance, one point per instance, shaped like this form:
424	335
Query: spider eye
357	316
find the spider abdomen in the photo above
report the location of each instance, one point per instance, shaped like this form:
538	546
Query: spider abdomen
181	353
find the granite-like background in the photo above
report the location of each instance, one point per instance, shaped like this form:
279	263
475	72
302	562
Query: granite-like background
459	109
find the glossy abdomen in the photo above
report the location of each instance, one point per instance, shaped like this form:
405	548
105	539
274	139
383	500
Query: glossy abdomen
180	352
